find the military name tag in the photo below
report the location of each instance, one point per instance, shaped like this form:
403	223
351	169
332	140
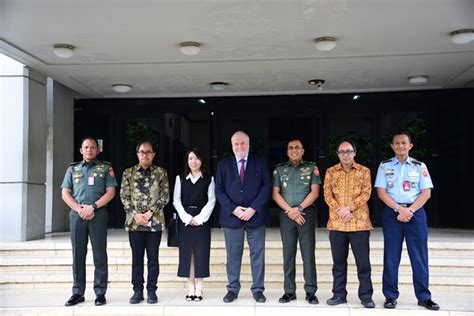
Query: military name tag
90	180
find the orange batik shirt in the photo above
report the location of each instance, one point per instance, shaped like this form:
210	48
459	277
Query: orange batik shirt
352	189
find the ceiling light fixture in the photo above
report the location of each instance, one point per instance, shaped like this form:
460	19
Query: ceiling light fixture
202	101
190	48
317	82
325	43
463	36
356	97
64	50
418	80
218	85
122	88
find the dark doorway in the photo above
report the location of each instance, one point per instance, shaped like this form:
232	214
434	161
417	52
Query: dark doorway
442	136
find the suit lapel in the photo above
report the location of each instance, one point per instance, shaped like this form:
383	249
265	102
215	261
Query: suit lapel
248	169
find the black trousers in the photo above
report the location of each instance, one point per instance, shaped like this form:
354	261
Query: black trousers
359	242
139	242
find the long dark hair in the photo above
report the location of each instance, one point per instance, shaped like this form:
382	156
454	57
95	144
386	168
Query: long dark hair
205	173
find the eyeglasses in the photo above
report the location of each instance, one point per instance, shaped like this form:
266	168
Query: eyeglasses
345	152
142	152
295	147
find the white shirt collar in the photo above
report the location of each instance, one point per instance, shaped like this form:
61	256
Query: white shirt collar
190	176
238	159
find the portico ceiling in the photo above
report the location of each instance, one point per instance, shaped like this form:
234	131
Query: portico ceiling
259	47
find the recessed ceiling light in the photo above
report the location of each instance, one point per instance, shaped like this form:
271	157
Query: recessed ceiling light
122	88
317	82
218	86
462	36
418	80
190	48
325	43
64	50
356	97
202	101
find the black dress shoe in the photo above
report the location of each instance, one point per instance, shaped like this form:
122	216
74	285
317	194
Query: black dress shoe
230	297
152	298
75	299
429	304
137	297
336	300
368	303
287	297
312	298
259	297
190	298
100	300
390	303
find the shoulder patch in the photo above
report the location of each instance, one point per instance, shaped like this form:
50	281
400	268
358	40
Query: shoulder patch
74	163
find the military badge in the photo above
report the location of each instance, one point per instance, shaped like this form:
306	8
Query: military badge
316	171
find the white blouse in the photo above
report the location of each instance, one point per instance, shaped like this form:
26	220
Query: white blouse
206	211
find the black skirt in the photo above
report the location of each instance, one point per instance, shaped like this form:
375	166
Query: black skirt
194	240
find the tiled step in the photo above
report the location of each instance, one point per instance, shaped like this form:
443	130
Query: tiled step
48	264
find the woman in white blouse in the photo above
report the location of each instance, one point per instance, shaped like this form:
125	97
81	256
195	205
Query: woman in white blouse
194	200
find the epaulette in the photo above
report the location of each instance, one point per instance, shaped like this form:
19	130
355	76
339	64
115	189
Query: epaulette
74	163
310	162
416	162
388	160
281	164
106	162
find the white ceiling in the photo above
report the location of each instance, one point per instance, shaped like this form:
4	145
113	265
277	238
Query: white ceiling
261	47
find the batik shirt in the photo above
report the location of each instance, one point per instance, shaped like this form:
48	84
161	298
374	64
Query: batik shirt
348	188
143	190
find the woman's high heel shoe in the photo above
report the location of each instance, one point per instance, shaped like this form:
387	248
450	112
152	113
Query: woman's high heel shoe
198	298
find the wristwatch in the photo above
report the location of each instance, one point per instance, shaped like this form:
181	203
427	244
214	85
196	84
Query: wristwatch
94	206
300	208
396	208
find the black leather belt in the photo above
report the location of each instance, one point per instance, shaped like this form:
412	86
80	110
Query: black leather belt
405	204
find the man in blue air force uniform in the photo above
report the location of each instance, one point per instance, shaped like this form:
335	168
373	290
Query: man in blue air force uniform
404	186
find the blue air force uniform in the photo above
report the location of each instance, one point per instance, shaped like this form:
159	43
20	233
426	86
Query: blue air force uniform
403	183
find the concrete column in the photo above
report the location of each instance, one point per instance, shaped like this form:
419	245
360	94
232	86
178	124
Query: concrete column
60	152
23	133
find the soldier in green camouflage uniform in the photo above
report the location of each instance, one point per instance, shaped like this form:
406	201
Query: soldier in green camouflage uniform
296	185
87	187
144	194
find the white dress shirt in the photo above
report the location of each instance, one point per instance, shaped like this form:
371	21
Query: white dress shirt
206	211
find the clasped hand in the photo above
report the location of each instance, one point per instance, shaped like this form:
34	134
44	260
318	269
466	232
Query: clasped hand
86	212
345	213
295	215
405	214
244	213
142	218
